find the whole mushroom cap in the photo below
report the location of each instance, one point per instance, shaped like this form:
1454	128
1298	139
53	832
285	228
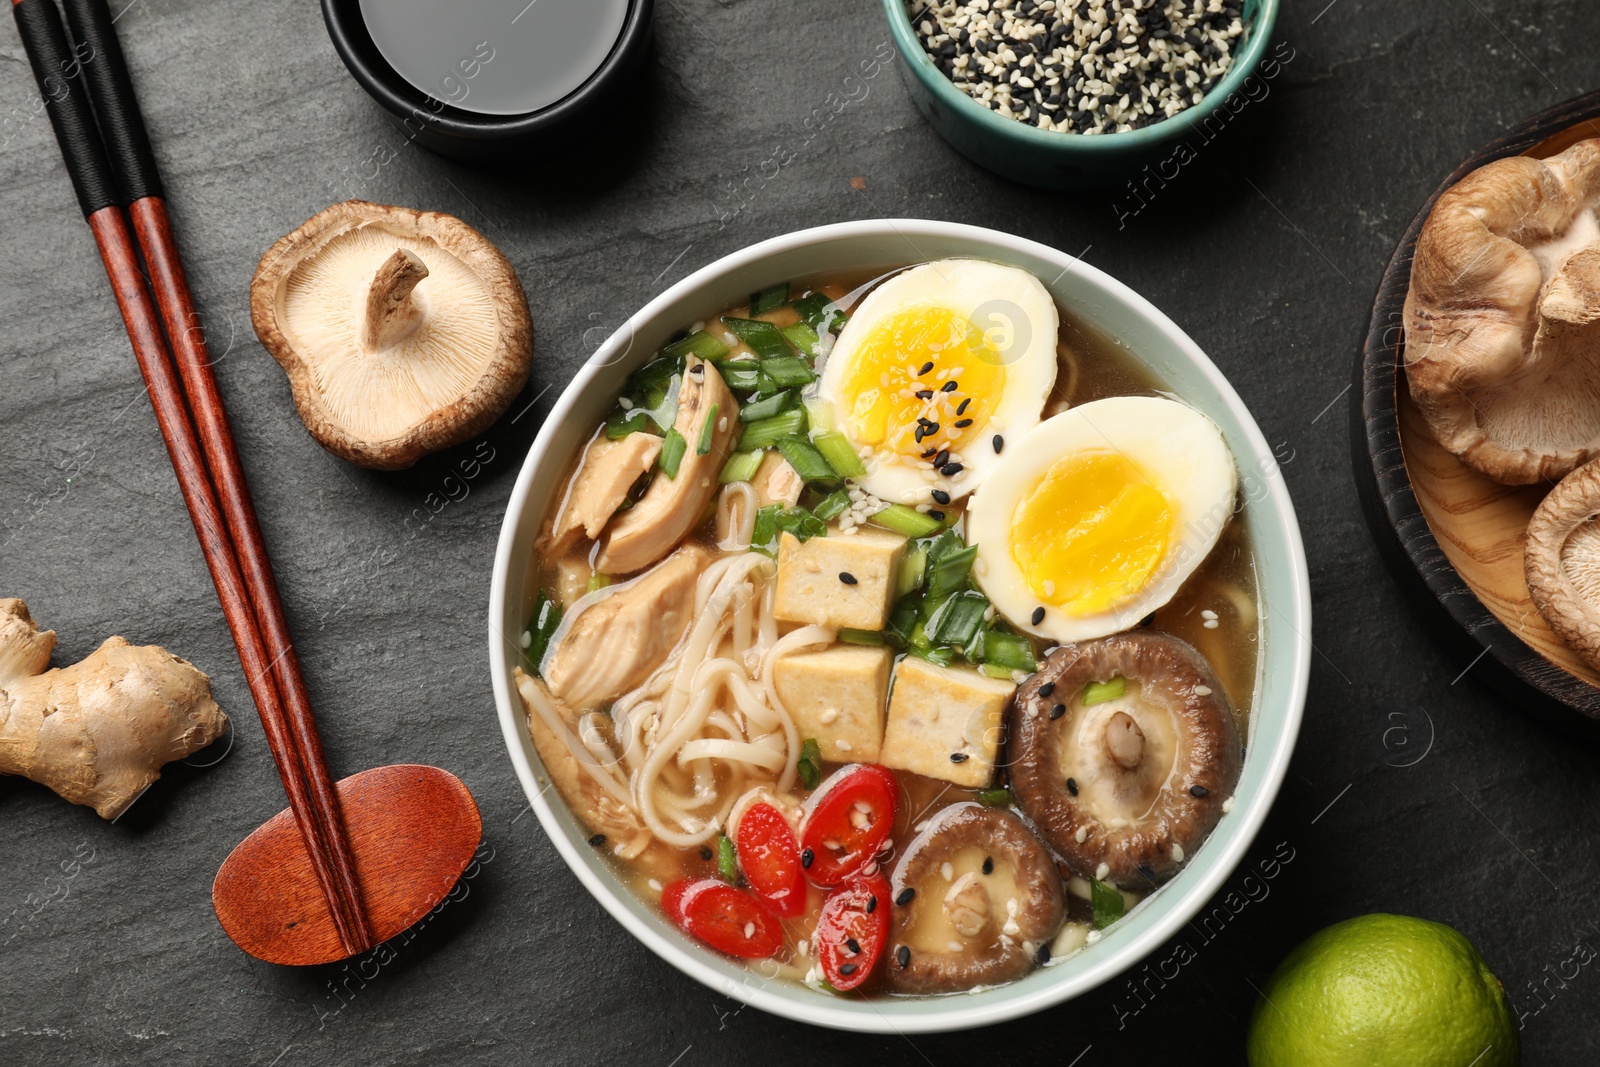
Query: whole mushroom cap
1502	319
1562	561
1124	789
985	895
402	332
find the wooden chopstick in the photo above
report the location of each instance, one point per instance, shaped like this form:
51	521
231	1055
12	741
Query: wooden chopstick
229	534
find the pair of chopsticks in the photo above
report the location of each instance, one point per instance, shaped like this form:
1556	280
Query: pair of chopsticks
103	140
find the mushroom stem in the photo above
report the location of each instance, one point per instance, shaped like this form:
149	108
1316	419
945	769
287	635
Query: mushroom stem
1124	741
391	315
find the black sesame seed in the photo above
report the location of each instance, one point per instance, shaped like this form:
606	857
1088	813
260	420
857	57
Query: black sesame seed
962	424
847	578
1148	872
926	367
1057	710
1199	791
597	840
924	394
872	903
1043	955
933	428
948	387
928	453
999	443
903	955
958	757
941	497
1047	688
807	857
698	369
950	470
905	896
988	865
942	458
705	852
936	515
1072	787
847	969
961	408
1037	617
851	944
920	434
1148	619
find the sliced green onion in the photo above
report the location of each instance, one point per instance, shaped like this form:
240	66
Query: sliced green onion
806	461
810	764
541	626
942	657
832	506
769	299
1100	692
820	412
727	859
788	371
903	619
1107	902
765	408
620	424
741	467
958	619
742	375
994	670
763	538
820	313
907	521
995	798
672	451
598	580
708	431
861	637
700	344
762	338
801	523
1008	652
948	573
803	337
766	432
840	454
908	579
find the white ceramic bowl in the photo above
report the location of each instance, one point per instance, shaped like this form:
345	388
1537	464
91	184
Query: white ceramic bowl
1175	359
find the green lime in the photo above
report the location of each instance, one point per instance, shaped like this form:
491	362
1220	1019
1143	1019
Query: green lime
1383	991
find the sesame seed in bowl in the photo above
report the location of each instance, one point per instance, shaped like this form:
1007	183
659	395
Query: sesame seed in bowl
1070	94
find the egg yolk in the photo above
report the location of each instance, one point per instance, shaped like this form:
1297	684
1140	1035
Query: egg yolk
1092	533
898	395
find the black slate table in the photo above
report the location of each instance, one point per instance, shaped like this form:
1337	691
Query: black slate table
1266	248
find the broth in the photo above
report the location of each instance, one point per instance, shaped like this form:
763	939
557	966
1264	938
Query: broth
1215	610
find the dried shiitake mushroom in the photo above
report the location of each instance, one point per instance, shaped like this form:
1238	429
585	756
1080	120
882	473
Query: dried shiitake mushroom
1503	317
402	332
1562	561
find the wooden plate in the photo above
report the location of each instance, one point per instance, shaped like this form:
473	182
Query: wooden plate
1453	537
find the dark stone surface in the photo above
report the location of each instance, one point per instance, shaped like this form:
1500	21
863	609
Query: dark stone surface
1266	249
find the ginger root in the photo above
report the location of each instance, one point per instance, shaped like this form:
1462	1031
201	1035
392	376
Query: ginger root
99	731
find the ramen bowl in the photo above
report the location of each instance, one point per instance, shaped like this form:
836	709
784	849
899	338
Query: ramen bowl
1111	308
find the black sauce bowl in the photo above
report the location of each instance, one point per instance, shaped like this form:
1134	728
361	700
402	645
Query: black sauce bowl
440	126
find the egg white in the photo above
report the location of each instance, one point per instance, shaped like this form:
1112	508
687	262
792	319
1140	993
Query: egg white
1181	449
1014	308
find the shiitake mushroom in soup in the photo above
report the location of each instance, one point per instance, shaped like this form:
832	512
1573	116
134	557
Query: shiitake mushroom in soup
821	727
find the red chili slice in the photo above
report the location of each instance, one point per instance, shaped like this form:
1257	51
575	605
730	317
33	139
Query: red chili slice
769	855
852	930
729	921
850	817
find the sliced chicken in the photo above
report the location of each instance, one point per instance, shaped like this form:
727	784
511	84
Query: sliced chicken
608	647
598	810
608	470
775	482
671	507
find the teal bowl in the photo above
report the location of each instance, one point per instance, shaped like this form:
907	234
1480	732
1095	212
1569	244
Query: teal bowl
1052	160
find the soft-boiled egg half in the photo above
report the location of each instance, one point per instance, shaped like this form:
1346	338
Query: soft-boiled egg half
1097	516
933	364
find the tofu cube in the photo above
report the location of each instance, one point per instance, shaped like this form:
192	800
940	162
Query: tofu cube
939	712
837	696
839	580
